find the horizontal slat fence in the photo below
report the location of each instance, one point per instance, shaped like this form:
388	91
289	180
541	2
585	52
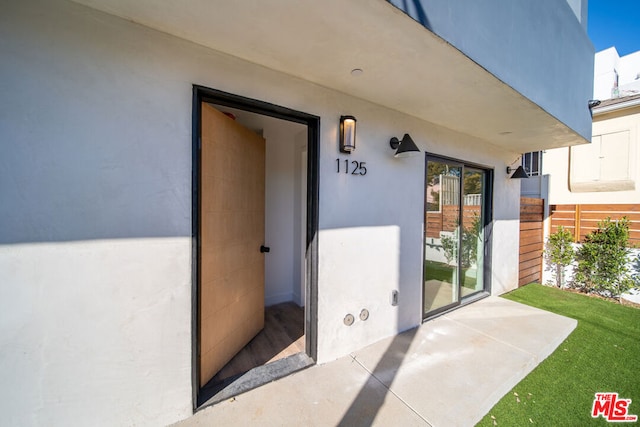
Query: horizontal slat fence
583	219
531	240
449	217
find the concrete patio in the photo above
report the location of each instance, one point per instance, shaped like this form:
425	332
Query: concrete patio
449	371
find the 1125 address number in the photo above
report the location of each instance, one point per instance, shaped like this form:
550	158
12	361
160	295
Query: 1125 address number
353	167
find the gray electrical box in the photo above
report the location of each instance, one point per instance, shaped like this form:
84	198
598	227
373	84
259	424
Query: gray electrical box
394	297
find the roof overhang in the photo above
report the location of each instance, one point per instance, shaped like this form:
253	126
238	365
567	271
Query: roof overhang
405	66
617	104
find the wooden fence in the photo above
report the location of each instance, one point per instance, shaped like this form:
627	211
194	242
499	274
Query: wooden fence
582	219
531	240
448	219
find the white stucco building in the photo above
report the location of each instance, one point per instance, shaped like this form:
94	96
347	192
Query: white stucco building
116	224
616	76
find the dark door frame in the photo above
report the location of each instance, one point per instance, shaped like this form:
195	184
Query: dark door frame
203	94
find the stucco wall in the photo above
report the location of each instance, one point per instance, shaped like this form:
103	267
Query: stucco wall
282	225
539	48
615	76
580	9
95	207
625	124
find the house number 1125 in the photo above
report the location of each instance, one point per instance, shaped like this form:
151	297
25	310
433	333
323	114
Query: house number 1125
353	167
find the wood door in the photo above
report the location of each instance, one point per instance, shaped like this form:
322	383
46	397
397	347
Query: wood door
231	304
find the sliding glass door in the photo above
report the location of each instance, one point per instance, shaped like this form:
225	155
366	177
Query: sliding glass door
456	215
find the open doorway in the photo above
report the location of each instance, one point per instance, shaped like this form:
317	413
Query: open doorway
255	221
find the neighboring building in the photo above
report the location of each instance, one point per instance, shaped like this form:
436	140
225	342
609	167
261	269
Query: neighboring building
536	185
136	212
586	180
606	171
615	76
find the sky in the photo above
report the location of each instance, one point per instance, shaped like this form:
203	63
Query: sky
614	23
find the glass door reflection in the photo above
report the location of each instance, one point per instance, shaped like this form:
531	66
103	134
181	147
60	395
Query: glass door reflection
472	244
442	242
454	234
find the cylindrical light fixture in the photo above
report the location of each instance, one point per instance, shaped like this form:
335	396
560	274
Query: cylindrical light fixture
347	134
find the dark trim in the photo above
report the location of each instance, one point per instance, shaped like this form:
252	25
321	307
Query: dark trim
227	99
311	258
254	378
203	94
444	310
458	162
195	250
488	230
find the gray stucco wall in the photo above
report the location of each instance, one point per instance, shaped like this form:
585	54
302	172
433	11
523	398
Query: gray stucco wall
505	37
95	214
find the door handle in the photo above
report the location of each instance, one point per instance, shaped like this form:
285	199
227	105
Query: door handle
264	249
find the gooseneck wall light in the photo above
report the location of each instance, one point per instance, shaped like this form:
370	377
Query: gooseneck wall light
347	134
405	147
519	172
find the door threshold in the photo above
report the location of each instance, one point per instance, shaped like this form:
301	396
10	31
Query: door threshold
466	301
256	377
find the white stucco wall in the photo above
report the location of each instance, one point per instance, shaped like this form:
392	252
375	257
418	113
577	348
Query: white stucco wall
95	207
607	65
365	218
282	278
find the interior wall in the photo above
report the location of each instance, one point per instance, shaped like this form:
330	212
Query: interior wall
300	226
282	224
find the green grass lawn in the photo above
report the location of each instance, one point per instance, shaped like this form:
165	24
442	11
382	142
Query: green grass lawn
601	355
443	272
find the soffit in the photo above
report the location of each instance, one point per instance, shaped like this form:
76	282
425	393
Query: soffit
406	67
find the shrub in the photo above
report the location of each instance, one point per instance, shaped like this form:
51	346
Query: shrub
469	244
560	252
602	260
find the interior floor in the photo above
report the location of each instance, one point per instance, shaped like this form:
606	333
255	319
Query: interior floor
438	294
282	336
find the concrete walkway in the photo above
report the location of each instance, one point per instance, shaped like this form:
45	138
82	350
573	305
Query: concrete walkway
448	372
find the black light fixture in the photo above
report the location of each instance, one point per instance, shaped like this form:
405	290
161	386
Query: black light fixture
347	134
519	172
593	103
404	148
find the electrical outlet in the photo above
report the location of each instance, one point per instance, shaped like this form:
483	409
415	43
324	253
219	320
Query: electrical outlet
394	297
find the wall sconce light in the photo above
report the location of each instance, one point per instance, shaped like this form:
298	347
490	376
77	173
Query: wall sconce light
404	148
347	134
519	172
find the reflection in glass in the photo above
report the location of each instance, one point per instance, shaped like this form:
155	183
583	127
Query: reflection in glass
472	252
454	235
442	231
